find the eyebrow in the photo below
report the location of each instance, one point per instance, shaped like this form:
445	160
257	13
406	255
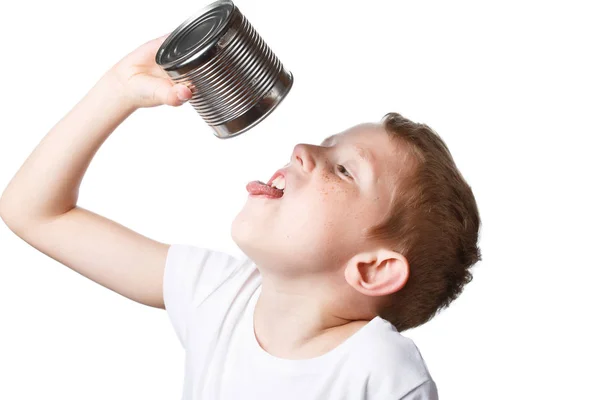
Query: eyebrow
362	153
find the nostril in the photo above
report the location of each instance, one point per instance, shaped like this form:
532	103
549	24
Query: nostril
301	154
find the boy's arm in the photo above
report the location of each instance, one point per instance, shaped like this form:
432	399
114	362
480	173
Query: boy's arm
40	202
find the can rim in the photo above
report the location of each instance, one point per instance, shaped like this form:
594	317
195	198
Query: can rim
202	46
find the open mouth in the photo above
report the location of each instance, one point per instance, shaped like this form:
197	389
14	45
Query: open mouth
275	188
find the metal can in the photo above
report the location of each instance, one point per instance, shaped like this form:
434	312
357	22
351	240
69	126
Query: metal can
235	78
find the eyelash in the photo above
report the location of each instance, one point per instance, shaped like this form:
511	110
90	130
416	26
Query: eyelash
342	169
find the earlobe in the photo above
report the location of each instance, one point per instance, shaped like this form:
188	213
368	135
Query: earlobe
379	273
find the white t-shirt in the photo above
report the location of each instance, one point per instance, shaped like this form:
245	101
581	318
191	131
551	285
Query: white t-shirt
210	297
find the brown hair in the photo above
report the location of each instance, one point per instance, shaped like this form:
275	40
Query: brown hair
433	221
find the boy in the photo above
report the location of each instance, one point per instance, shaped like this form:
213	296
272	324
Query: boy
352	242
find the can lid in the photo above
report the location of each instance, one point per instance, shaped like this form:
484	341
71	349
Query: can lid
195	36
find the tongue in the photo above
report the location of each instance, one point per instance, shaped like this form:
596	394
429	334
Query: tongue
258	188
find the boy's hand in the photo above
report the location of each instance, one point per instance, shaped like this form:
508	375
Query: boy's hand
143	83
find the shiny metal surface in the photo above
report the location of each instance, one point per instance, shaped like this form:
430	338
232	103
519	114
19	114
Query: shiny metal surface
235	78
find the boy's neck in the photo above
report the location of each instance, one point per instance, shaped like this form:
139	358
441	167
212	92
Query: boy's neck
296	325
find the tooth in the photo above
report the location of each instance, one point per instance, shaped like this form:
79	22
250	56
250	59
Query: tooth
279	182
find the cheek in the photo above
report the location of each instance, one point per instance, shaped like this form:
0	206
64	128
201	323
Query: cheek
326	206
338	205
334	188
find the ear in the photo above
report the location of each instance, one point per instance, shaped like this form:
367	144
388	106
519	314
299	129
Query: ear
377	273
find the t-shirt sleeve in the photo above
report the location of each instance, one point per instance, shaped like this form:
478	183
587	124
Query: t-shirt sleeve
397	370
425	391
191	274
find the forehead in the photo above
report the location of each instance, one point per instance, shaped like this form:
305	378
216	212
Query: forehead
362	132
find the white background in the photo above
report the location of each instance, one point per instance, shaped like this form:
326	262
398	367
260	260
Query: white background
512	87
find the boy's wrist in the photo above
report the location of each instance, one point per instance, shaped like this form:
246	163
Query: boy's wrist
101	110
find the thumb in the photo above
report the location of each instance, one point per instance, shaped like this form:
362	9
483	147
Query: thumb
172	95
182	92
165	92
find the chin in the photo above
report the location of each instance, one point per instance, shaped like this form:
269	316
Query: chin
240	230
249	234
258	242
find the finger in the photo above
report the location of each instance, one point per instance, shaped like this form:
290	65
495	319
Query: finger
155	91
162	38
154	43
182	92
165	94
172	95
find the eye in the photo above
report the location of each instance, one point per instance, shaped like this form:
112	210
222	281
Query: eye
344	171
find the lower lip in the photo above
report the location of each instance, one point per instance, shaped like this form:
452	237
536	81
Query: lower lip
264	196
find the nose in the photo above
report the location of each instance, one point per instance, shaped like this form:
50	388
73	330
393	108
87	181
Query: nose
302	155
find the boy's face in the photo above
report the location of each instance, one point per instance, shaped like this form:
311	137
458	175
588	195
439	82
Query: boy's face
317	226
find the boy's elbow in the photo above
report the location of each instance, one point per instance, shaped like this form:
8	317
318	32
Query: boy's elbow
10	215
7	218
4	206
3	211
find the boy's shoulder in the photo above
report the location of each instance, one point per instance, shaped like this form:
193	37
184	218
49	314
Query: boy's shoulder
392	361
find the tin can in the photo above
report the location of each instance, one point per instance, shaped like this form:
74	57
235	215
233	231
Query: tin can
235	78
